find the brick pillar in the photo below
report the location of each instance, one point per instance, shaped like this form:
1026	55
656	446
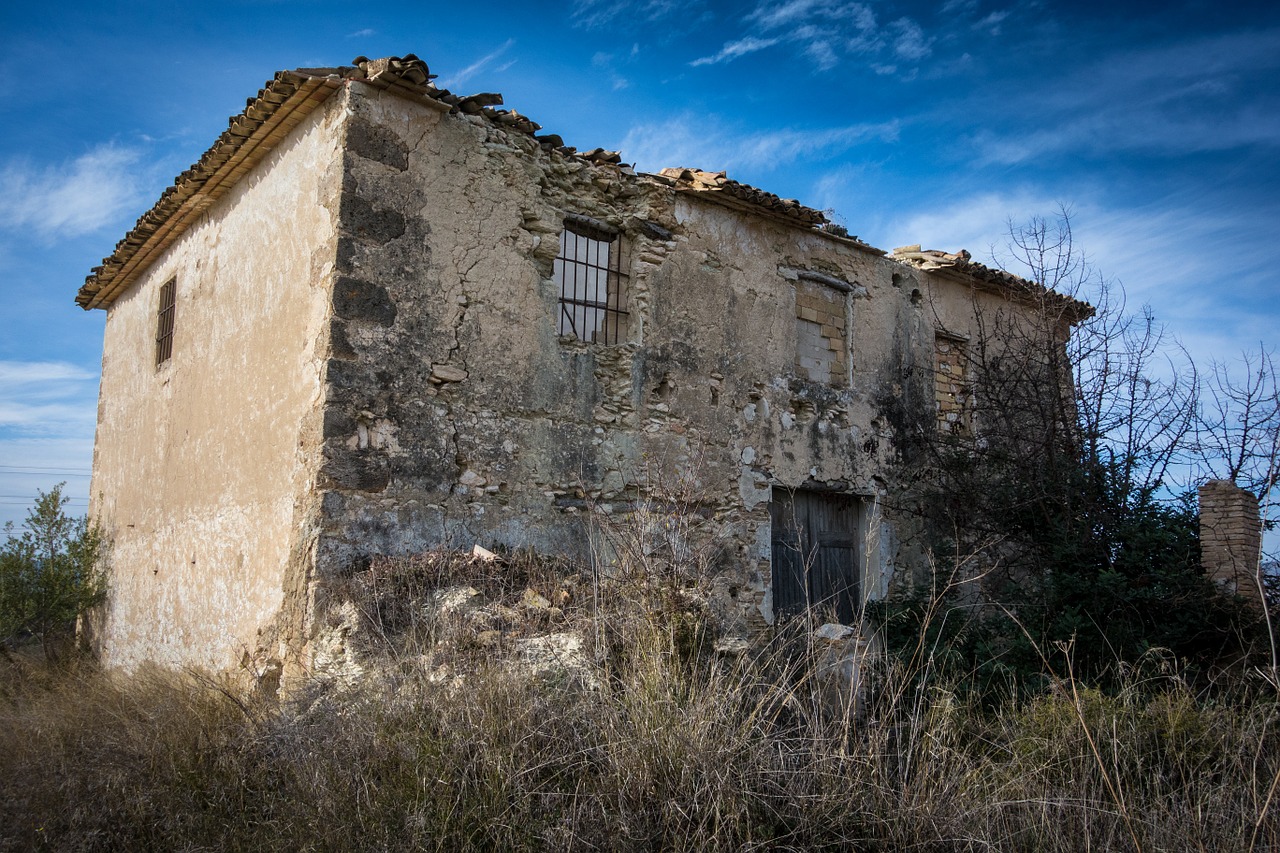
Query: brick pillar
1230	536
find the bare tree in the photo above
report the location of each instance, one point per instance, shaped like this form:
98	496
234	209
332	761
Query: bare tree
1136	390
1083	419
1238	428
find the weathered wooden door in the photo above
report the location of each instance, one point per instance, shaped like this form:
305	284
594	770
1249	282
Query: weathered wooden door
815	553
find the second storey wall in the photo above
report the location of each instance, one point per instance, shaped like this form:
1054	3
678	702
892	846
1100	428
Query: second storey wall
204	465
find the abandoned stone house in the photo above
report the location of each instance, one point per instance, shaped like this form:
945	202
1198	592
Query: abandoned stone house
377	317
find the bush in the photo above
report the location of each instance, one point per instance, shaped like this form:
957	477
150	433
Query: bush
50	573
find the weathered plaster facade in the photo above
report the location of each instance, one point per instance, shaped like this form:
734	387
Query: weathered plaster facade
367	359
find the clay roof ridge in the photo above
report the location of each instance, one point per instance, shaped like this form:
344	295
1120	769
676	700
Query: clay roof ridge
699	180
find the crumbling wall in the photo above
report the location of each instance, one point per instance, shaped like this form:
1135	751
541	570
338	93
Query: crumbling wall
456	414
204	467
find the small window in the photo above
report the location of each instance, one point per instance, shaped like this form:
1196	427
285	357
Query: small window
164	322
589	270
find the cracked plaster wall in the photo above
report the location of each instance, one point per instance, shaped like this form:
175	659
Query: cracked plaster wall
205	467
455	415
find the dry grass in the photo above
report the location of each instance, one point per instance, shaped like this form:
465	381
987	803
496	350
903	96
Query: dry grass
675	749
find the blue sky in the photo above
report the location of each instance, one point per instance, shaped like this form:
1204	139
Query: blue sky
933	123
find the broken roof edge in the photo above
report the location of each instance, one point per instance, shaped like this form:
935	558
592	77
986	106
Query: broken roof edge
697	180
280	106
960	265
717	186
290	96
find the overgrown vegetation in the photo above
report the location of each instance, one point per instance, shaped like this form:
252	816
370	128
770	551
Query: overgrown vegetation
1069	502
50	573
660	743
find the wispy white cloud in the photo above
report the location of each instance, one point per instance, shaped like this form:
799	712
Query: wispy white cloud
827	32
364	33
734	49
791	12
822	53
693	141
976	222
479	65
590	14
70	199
609	64
992	22
909	41
1168	100
47	398
18	373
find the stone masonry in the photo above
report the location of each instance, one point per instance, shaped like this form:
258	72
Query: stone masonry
951	384
1230	536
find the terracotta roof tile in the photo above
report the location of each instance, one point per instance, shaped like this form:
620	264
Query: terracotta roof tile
696	180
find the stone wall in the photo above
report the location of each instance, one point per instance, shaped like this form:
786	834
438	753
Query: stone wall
457	415
952	385
821	348
1230	536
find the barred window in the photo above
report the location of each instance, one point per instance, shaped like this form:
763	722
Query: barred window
164	321
589	269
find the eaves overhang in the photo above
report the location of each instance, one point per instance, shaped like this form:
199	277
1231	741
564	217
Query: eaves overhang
278	108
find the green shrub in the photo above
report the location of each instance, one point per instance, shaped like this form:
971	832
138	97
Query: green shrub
50	573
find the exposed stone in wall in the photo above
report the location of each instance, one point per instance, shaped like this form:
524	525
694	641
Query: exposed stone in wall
820	333
1230	536
952	387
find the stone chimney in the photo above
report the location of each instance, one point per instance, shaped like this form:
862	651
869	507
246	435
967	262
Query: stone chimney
1230	536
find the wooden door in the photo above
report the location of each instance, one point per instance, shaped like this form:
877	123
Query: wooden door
815	553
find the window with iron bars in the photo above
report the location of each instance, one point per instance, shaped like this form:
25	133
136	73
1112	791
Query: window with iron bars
589	269
164	321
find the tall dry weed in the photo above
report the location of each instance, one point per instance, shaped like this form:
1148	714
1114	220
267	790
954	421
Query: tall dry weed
669	745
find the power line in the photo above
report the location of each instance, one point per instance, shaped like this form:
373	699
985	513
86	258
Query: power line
65	497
